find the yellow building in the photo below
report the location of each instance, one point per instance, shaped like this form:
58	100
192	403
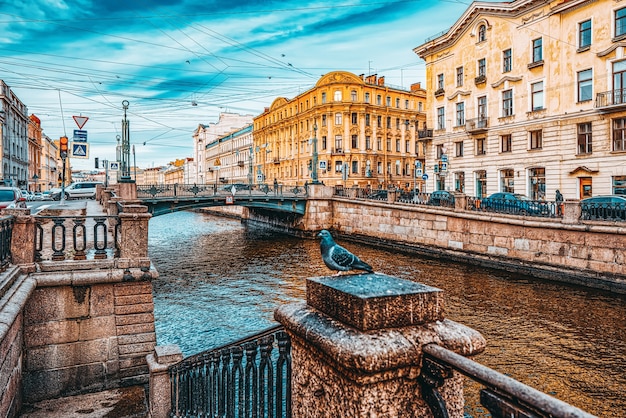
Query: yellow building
364	132
528	96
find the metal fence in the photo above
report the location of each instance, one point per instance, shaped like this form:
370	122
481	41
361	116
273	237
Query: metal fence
246	378
60	238
613	211
158	191
538	208
502	396
6	233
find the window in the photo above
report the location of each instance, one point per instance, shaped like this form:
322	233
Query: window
536	90
367	97
337	95
585	85
458	148
537	50
406	104
619	185
379	121
440	81
584	138
368	143
507	60
537	177
323	120
324	142
397	145
507	180
441	118
620	22
481	183
353	95
460	114
481	146
507	103
619	134
388	144
379	100
379	168
407	146
459	181
459	76
536	139
355	167
398	102
337	118
397	123
482	108
323	97
339	166
419	106
367	119
354	118
379	144
584	34
482	67
482	33
355	141
439	151
388	122
506	144
338	143
388	101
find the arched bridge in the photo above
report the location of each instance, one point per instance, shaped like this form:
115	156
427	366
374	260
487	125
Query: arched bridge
166	198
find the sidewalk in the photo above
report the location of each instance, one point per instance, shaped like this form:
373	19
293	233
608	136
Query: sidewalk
129	402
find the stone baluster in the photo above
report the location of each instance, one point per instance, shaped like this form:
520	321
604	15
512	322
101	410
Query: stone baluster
133	239
357	347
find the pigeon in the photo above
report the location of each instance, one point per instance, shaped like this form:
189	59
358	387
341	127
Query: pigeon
338	258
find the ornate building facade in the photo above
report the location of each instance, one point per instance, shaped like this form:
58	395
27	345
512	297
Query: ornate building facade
229	157
14	124
361	132
529	96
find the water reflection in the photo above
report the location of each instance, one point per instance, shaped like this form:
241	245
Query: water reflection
220	281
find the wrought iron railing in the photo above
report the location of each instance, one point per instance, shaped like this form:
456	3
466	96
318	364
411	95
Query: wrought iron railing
611	211
502	396
611	98
89	237
6	233
539	208
169	191
242	379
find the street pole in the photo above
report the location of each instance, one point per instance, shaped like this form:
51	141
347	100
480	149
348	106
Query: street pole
125	145
314	157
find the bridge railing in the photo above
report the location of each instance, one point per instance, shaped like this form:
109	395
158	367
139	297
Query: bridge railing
165	191
6	232
60	238
246	378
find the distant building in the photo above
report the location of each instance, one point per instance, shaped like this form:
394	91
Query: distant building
366	134
14	124
48	168
204	134
528	96
234	153
35	147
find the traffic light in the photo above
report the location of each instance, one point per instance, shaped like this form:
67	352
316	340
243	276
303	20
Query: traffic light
97	161
63	146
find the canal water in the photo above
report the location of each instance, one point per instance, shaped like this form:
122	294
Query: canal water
220	280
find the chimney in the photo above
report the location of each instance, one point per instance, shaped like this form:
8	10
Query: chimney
416	87
381	81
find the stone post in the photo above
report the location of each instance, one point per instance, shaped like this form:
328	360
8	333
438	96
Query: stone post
22	236
160	386
319	191
357	347
460	201
571	211
392	195
128	190
134	233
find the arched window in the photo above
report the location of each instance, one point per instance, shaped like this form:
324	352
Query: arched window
482	33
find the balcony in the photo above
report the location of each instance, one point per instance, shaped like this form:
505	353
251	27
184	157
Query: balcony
425	134
481	79
477	125
241	163
439	92
612	100
276	160
337	151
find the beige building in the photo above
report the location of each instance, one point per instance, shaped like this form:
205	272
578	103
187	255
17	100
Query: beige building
48	170
529	96
14	123
365	134
35	146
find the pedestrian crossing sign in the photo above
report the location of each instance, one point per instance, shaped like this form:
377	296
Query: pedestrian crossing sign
80	150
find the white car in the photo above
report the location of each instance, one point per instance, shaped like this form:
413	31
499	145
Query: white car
83	189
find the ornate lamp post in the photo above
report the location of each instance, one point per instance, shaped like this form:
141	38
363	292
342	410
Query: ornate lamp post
125	146
314	156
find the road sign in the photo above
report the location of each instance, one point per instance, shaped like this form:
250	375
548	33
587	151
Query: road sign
418	172
217	162
80	121
114	166
424	176
80	150
80	136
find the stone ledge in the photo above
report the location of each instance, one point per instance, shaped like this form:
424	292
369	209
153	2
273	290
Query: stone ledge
375	351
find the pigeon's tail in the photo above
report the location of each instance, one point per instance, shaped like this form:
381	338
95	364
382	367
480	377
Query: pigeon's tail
361	265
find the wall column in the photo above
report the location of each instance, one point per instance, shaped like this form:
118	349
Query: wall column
357	347
159	363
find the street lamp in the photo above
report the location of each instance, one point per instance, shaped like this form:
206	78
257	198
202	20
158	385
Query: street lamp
125	145
314	156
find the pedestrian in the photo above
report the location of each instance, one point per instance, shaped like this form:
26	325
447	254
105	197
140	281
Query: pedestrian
559	202
275	186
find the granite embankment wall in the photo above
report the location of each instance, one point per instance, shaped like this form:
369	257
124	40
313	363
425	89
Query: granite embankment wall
580	252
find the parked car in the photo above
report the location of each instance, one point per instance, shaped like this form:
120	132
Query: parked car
27	195
11	198
609	207
46	195
514	203
441	198
84	189
378	195
37	196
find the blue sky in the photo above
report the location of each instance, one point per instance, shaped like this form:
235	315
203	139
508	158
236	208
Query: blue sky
66	58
